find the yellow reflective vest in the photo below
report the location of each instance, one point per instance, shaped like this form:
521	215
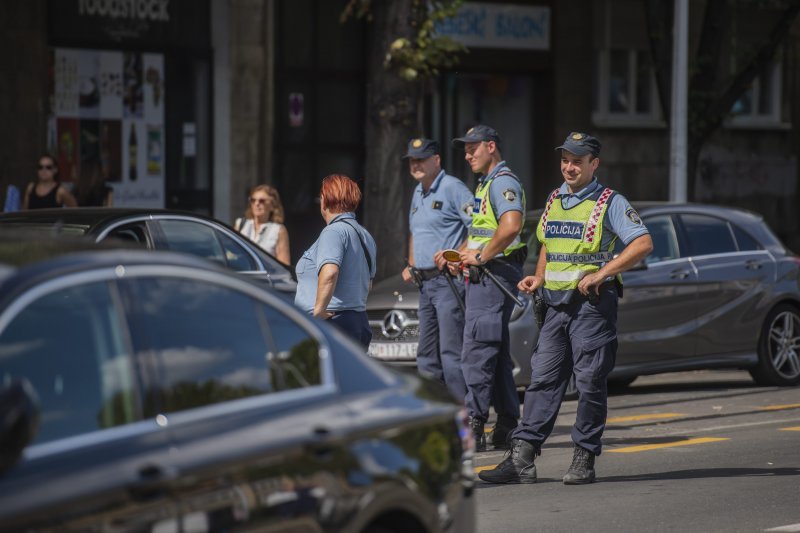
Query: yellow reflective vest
484	221
573	237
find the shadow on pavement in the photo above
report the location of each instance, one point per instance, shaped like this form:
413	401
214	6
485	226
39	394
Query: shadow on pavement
704	473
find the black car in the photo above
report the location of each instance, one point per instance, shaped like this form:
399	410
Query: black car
719	290
159	229
173	395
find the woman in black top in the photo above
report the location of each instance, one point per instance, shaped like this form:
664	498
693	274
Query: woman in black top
46	191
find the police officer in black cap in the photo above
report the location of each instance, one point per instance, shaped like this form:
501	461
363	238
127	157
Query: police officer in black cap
578	273
439	218
494	245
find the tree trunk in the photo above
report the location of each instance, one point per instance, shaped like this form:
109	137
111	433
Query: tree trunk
392	105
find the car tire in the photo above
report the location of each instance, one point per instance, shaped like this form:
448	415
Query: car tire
779	348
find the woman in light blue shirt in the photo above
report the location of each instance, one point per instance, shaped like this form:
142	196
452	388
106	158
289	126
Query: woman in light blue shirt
334	275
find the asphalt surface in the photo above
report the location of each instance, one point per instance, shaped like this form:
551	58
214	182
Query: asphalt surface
693	451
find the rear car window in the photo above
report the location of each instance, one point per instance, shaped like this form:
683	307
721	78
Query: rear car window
707	235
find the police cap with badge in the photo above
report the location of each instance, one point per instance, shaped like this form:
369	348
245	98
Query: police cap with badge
581	144
422	149
479	133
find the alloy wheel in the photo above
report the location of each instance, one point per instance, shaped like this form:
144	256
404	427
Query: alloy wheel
783	344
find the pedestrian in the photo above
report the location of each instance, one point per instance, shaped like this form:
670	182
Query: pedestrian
580	280
47	191
92	189
439	218
335	275
493	245
263	222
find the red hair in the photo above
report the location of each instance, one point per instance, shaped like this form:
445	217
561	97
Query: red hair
340	194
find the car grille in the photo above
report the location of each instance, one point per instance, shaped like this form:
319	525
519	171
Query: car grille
410	333
407	318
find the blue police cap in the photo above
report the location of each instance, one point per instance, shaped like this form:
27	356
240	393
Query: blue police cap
478	133
422	148
580	144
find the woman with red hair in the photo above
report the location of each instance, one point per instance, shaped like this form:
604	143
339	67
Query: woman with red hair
334	275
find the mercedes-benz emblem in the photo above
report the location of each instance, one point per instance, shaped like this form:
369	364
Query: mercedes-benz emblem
393	324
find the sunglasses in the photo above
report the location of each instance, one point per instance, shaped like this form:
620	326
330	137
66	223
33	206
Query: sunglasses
46	167
259	201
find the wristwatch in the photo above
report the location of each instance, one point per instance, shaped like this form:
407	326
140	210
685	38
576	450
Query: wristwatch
478	258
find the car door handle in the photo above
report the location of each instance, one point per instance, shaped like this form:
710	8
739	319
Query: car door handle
753	264
152	481
679	274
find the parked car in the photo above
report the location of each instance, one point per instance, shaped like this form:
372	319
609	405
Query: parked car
159	229
718	291
146	391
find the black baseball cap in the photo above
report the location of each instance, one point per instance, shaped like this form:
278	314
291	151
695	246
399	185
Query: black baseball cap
581	144
478	133
422	148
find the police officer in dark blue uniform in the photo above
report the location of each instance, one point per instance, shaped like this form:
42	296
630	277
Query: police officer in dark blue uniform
494	244
578	273
439	218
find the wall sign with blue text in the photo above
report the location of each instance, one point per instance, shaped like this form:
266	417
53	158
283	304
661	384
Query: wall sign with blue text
479	25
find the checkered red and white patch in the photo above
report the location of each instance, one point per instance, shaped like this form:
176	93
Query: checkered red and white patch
594	218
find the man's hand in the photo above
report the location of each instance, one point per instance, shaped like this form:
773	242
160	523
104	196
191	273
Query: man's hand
468	257
323	314
590	284
442	263
406	273
529	284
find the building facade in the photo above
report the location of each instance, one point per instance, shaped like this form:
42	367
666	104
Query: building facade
187	104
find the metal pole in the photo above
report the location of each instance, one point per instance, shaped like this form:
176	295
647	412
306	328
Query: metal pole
680	102
452	284
500	286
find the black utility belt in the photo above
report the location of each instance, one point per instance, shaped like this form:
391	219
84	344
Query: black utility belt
428	273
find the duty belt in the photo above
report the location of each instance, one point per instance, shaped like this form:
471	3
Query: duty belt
428	273
582	259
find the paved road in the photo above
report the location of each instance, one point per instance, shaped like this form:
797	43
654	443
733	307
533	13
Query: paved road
694	451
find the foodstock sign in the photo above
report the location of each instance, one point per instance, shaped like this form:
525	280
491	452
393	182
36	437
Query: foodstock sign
150	23
155	10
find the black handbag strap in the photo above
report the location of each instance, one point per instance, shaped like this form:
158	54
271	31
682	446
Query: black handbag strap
363	245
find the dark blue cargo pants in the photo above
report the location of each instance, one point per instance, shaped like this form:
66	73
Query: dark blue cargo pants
441	333
486	358
579	337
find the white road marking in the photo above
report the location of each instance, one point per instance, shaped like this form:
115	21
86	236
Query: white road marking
789	528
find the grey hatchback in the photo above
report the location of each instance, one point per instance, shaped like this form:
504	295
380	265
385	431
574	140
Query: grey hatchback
718	291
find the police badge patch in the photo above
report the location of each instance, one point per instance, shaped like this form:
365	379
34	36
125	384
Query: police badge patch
633	215
510	195
437	204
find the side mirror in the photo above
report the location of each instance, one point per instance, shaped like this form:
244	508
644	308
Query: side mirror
19	420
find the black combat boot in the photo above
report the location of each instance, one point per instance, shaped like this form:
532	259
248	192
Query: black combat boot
501	433
478	434
517	467
581	471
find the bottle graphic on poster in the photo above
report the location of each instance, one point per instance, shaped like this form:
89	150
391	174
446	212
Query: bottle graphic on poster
132	149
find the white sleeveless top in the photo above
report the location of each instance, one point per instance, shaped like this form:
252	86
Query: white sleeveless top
267	236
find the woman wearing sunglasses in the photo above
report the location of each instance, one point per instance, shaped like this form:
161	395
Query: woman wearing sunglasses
47	191
263	222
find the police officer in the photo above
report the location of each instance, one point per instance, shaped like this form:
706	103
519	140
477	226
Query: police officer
582	224
494	243
439	218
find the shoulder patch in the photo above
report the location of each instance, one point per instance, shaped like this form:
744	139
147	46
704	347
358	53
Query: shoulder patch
633	216
510	195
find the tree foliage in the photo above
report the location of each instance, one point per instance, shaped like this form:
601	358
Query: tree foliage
425	54
713	91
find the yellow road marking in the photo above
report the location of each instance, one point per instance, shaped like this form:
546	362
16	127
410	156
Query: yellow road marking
796	428
647	447
634	418
780	407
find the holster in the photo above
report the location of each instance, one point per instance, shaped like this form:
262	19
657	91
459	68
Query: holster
475	274
416	277
539	310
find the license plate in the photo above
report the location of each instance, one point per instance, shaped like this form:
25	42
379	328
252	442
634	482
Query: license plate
391	351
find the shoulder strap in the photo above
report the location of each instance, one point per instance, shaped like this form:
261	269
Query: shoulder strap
363	245
237	225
